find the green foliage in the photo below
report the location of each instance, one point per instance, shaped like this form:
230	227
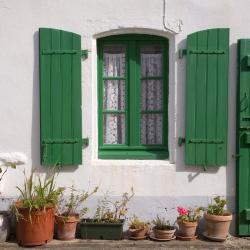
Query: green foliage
137	224
112	211
76	198
218	207
190	214
161	223
38	194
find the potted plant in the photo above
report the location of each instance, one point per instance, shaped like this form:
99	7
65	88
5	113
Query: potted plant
138	229
188	222
8	160
108	220
67	216
217	220
35	210
162	229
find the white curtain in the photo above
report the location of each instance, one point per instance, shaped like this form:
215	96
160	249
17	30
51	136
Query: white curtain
151	98
114	98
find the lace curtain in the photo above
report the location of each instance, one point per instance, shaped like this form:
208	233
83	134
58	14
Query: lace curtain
114	96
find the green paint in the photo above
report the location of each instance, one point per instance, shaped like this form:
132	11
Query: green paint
207	97
60	97
132	149
242	139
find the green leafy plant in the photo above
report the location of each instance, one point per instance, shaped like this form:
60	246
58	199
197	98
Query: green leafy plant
218	207
69	206
160	223
37	194
137	224
109	211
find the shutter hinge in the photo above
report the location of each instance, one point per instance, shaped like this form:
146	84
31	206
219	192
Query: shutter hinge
236	156
182	52
181	140
85	142
85	54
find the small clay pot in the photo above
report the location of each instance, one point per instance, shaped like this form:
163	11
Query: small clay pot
164	234
66	226
187	228
139	232
217	226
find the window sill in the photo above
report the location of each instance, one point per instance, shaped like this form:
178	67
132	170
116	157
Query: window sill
135	154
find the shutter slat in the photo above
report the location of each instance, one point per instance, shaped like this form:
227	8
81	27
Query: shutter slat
211	110
222	110
206	104
66	64
76	103
56	96
190	101
45	92
201	85
60	97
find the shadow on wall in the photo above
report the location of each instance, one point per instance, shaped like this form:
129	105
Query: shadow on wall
35	135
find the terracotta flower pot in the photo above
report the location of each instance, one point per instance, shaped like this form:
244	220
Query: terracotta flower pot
187	228
164	234
217	226
35	227
139	232
66	227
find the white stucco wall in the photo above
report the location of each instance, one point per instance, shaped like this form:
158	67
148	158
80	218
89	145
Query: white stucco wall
19	90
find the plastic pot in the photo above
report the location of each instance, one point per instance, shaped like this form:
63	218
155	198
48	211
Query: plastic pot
90	229
35	227
164	234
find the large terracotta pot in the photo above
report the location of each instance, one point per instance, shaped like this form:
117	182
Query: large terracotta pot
66	227
217	226
164	234
139	232
35	227
187	228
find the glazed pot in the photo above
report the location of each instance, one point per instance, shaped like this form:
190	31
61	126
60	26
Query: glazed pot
4	226
217	226
187	228
66	227
35	227
164	234
138	233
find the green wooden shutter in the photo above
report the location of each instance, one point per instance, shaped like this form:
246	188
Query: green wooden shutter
207	97
243	138
60	97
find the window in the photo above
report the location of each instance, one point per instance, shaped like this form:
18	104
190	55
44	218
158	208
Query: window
133	97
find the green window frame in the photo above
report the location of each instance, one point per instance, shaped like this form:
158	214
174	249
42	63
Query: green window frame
132	148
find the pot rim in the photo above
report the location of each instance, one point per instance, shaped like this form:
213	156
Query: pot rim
226	217
67	219
166	230
188	223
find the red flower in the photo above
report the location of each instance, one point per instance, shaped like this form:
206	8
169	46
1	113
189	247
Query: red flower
182	211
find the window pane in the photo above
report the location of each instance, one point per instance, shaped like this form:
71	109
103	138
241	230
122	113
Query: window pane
151	95
114	95
151	60
151	129
114	60
114	129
